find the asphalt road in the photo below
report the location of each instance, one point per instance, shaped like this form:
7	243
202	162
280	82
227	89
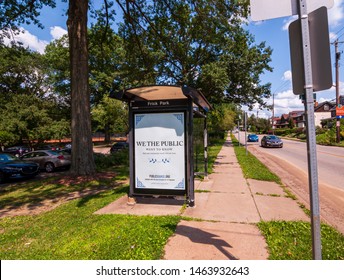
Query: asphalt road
330	160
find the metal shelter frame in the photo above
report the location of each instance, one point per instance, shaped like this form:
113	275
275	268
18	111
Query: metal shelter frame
155	99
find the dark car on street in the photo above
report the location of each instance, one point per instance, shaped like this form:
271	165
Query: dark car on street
12	167
119	146
271	141
49	160
17	150
252	138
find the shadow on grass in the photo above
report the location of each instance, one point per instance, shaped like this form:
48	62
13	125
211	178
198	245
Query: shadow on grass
44	193
84	200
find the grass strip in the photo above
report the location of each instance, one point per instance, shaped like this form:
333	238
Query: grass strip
251	166
293	241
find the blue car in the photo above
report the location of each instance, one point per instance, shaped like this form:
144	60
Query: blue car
252	138
12	167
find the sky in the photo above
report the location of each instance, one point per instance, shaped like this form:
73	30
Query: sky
272	31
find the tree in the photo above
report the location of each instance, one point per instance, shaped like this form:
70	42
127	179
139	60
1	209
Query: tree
222	118
82	148
21	72
13	13
106	57
29	123
199	43
57	71
106	60
111	116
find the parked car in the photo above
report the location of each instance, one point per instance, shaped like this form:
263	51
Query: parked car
12	167
17	150
47	147
252	138
49	160
271	141
67	150
118	146
68	146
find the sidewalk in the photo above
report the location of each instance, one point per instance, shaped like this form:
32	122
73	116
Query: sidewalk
227	207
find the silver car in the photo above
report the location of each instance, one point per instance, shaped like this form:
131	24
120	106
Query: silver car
49	160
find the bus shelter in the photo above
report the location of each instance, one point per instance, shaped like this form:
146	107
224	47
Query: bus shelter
161	139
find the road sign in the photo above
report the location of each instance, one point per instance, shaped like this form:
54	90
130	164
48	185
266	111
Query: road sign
340	111
320	52
268	9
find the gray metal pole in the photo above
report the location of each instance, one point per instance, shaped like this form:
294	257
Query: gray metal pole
239	132
337	54
205	148
245	116
310	126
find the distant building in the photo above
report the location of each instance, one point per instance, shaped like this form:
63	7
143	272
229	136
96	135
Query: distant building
322	111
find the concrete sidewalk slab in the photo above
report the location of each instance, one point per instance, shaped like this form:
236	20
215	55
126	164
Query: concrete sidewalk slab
144	206
228	169
229	183
216	241
265	188
279	208
205	185
224	207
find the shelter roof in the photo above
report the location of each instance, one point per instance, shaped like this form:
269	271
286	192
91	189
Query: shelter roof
164	92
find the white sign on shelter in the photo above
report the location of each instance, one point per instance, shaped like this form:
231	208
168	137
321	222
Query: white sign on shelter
268	9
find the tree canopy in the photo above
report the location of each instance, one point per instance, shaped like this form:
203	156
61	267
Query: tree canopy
198	43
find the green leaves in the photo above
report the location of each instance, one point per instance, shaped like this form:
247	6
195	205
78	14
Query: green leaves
199	43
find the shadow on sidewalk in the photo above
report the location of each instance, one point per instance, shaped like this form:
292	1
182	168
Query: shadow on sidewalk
200	236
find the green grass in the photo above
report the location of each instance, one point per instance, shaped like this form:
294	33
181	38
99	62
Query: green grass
251	166
213	149
73	232
293	241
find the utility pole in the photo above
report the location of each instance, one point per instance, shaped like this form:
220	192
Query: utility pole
337	57
273	113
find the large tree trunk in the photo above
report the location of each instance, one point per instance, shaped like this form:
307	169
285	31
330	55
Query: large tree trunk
82	148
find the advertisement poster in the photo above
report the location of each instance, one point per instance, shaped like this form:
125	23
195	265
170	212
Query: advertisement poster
159	144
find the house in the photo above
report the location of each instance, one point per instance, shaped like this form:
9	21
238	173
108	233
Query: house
298	118
322	111
275	121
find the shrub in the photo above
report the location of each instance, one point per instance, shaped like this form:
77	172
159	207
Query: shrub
104	161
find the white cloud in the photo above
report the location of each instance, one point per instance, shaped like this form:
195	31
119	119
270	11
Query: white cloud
33	42
57	32
336	13
333	36
287	76
29	40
